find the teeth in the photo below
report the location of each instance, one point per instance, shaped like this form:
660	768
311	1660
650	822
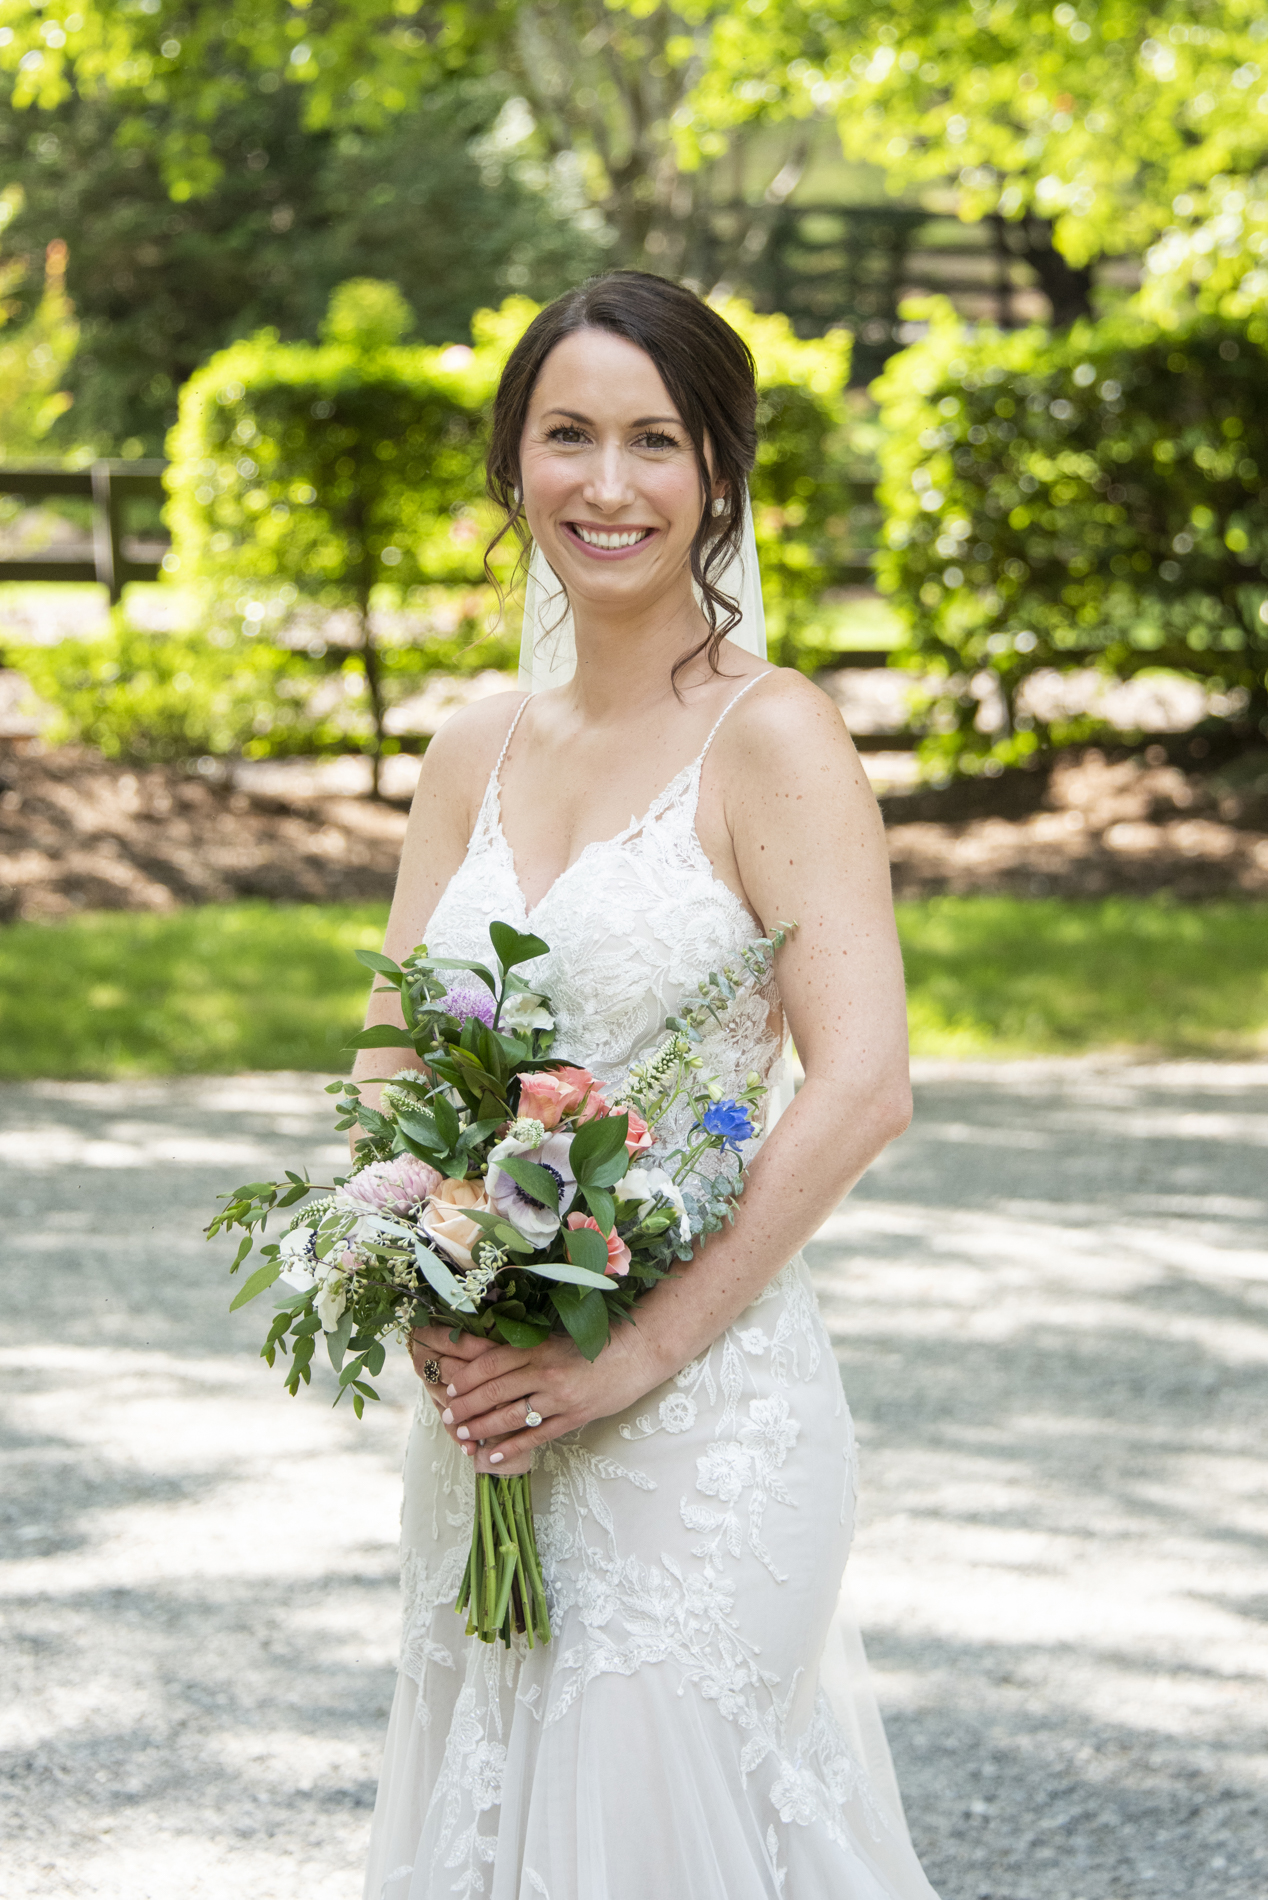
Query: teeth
620	540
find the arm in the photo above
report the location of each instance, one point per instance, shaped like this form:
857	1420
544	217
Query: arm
809	846
451	782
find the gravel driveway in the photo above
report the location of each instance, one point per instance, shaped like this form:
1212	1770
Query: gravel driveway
1051	1307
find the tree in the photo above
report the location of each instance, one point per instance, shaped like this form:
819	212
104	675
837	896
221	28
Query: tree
607	87
1088	129
428	201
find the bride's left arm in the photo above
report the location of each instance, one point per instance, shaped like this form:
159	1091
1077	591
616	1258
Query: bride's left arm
809	847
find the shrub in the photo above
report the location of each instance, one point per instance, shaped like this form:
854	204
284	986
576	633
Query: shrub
1097	497
328	473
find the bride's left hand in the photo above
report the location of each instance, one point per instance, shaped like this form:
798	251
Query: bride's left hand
488	1389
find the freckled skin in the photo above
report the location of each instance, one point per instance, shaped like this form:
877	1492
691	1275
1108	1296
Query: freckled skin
787	820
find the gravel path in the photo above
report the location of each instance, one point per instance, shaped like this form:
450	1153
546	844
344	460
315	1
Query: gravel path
1051	1306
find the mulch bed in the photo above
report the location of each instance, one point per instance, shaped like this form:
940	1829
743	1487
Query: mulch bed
77	833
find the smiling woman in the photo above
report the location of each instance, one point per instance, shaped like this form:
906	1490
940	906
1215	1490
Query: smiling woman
687	1731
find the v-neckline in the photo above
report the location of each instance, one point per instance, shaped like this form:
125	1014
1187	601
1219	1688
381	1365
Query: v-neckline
595	844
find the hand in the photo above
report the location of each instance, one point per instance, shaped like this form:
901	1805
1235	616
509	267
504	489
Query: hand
488	1388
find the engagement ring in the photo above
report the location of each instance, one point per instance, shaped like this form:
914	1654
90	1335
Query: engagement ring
431	1371
531	1417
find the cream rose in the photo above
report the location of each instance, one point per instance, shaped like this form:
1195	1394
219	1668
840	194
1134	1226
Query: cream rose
444	1221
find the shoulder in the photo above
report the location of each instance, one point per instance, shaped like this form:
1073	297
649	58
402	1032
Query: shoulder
782	719
465	749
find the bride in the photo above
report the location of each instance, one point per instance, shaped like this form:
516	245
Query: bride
698	1728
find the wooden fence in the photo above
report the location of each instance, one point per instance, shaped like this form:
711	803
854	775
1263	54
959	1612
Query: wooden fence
114	556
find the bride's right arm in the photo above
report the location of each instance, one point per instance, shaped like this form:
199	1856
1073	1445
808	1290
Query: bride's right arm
454	772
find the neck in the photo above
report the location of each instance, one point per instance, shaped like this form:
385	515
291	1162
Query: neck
625	657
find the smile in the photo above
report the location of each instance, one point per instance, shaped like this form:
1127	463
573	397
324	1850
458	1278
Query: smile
609	538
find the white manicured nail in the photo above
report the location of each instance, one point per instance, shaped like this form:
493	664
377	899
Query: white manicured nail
495	1457
452	1390
446	1417
463	1432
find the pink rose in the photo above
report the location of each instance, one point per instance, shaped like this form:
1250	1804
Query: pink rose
550	1094
639	1139
444	1221
618	1252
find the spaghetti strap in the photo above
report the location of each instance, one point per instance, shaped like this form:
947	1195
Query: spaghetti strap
733	701
495	776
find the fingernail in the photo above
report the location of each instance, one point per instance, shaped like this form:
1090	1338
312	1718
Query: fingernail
463	1432
466	1450
446	1417
452	1390
495	1457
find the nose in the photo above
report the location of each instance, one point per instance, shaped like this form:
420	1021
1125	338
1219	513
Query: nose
608	487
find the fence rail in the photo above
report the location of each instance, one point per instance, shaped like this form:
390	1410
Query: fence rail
113	556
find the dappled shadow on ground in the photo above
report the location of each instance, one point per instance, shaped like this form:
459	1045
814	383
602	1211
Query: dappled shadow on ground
1050	1304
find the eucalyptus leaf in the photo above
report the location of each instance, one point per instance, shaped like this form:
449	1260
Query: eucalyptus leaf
381	1036
262	1277
438	1276
337	1342
375	960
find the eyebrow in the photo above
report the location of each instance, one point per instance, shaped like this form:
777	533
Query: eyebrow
639	422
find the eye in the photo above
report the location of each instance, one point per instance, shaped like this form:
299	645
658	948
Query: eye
657	439
565	432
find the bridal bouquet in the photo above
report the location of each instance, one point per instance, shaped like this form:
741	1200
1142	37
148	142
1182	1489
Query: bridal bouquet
498	1191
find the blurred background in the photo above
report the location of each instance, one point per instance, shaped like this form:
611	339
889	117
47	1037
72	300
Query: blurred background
1004	269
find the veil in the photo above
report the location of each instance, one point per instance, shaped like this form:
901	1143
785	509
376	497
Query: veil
548	657
548	652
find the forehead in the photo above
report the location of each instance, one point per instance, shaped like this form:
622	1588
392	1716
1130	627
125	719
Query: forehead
602	375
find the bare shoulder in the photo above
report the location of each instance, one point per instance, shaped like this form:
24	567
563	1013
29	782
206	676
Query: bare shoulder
786	724
464	751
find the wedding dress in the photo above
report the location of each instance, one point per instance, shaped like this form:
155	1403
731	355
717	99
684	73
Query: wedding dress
698	1727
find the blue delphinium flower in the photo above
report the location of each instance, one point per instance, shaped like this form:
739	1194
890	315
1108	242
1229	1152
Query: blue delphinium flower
729	1119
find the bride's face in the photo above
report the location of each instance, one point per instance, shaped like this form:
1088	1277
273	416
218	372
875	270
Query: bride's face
609	476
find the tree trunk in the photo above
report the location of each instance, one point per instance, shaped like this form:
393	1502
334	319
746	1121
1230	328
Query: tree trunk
1068	287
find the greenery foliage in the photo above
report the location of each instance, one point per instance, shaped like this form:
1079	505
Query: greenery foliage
33	354
325	473
1096	497
223	988
431	200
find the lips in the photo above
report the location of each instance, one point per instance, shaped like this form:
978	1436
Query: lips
609	540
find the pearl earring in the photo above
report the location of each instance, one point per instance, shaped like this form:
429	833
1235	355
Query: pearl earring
719	506
517	496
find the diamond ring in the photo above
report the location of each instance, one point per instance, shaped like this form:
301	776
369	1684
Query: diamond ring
531	1417
431	1371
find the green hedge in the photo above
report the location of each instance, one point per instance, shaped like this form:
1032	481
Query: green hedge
1097	497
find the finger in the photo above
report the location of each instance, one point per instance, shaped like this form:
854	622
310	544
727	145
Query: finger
506	1367
499	1424
441	1345
494	1395
514	1454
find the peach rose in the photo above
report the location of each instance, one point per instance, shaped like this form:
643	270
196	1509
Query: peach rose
618	1252
444	1220
639	1139
550	1094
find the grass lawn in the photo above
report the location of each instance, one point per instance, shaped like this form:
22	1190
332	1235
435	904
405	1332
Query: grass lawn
250	986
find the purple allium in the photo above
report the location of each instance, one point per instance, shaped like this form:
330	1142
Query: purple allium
389	1187
729	1119
468	997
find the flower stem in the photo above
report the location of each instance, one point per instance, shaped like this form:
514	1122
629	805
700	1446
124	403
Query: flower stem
502	1588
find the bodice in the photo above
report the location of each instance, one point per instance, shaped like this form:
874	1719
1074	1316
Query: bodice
632	925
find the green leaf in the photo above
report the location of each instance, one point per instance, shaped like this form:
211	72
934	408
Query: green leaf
381	1036
446	1121
606	1174
438	1276
535	1181
374	960
587	1249
566	1275
242	1253
518	1332
460	963
602	1206
420	1124
586	1317
337	1342
597	1142
262	1277
515	946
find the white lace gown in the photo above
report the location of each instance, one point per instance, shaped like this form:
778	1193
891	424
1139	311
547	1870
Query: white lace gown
698	1727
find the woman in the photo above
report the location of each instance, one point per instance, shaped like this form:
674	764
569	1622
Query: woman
694	1487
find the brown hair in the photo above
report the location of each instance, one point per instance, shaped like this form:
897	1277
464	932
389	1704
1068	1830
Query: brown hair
708	371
